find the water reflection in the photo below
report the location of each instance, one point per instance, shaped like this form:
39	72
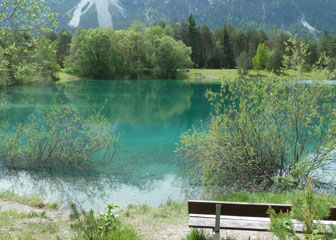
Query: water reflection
149	114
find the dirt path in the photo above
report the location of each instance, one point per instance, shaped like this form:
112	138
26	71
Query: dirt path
22	221
168	222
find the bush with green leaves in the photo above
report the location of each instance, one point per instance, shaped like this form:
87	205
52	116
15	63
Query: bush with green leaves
263	134
106	53
104	226
57	138
261	58
244	64
308	209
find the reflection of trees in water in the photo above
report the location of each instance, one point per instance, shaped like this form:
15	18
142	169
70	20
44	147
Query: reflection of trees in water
130	101
64	182
67	185
133	101
22	101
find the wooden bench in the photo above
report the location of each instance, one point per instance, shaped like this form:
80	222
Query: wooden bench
239	216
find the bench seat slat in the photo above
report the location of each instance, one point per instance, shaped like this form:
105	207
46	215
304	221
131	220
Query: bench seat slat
243	223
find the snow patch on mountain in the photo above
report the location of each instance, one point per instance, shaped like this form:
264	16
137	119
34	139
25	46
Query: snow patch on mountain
105	18
309	27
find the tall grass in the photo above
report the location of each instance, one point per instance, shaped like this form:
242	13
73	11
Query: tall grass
30	200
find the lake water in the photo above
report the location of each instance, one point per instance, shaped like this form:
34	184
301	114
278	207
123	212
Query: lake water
150	116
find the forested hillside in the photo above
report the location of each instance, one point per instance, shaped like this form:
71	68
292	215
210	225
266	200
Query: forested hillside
302	17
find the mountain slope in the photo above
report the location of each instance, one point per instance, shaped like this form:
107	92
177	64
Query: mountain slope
295	15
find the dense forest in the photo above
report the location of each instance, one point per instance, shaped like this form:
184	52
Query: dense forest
35	53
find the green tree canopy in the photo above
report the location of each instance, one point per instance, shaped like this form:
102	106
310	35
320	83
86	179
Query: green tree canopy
22	22
170	56
261	58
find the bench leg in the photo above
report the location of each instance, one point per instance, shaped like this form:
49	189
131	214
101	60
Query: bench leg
216	233
216	236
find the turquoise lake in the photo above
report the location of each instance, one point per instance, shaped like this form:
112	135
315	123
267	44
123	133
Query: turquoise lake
150	115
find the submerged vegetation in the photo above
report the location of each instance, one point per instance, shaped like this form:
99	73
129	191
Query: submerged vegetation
57	138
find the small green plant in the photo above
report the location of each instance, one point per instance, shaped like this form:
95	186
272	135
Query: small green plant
93	226
198	235
104	226
144	208
36	214
308	209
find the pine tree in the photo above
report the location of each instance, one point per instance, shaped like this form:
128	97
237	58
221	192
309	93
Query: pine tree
228	59
194	40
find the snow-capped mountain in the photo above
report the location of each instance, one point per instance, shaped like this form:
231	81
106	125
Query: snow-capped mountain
312	16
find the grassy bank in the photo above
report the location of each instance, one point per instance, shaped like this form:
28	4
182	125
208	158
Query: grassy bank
207	76
23	218
30	200
28	217
66	77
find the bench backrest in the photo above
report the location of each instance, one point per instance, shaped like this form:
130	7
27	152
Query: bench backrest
241	209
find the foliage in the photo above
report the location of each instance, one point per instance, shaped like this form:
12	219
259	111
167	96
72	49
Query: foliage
46	59
198	235
170	56
332	68
140	51
60	137
243	64
104	226
194	39
295	56
105	53
92	53
261	58
24	15
274	60
263	134
308	209
21	24
63	46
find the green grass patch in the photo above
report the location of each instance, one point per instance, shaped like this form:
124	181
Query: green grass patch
209	76
65	76
198	235
30	200
32	225
165	211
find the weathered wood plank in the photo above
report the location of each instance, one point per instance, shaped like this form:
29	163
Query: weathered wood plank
241	209
244	223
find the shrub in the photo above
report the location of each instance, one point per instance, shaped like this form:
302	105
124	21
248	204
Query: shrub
105	226
60	137
263	134
244	64
308	209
